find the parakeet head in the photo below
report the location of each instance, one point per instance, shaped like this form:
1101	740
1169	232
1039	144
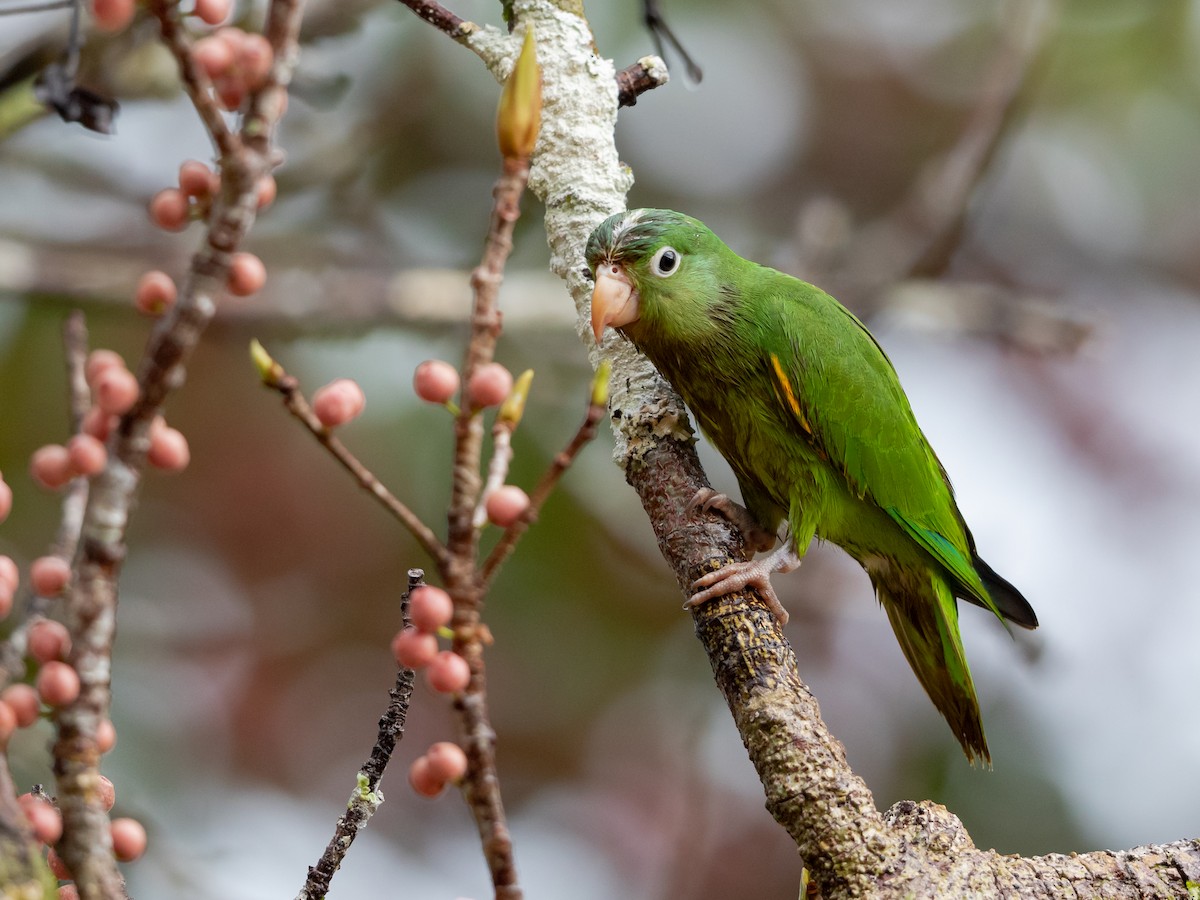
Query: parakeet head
654	269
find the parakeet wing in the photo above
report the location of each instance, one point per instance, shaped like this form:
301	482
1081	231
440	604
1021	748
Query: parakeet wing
846	399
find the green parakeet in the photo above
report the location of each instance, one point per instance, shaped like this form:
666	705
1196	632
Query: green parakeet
802	401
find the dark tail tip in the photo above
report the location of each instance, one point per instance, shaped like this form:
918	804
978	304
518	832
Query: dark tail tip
1012	605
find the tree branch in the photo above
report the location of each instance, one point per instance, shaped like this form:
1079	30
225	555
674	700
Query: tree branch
365	798
91	598
274	376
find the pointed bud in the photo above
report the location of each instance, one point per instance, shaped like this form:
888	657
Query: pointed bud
520	114
268	370
514	405
600	383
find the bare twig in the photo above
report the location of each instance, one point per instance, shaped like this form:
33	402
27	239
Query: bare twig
644	75
365	798
296	403
439	17
561	462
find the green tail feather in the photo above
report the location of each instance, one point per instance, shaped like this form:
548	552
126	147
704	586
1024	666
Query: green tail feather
924	615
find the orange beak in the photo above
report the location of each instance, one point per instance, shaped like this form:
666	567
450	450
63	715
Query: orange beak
614	299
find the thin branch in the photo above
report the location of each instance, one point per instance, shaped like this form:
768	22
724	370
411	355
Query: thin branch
296	403
943	200
644	75
485	329
549	480
195	80
481	786
439	17
365	798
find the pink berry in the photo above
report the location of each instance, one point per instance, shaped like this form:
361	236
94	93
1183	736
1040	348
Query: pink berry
45	819
422	779
213	55
231	91
8	592
447	761
23	700
107	793
448	673
68	891
212	12
196	179
112	15
9	574
506	505
86	455
254	58
128	839
99	361
168	450
435	381
60	870
265	191
5	500
430	608
50	466
489	385
57	684
106	735
247	274
338	402
48	640
48	575
169	210
155	293
414	649
8	723
115	390
98	423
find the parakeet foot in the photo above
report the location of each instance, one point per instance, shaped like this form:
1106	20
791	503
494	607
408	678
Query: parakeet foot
738	576
757	538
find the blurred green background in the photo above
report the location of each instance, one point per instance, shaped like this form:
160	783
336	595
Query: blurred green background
262	587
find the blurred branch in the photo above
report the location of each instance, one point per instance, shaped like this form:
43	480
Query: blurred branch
91	598
919	236
365	798
66	538
660	31
275	377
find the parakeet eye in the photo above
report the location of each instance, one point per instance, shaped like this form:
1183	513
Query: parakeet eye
665	262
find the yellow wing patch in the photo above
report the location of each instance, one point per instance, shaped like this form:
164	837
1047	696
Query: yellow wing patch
788	394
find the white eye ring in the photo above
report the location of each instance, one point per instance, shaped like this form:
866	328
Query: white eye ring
665	262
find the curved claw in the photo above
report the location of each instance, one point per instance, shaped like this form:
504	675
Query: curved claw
738	576
756	538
